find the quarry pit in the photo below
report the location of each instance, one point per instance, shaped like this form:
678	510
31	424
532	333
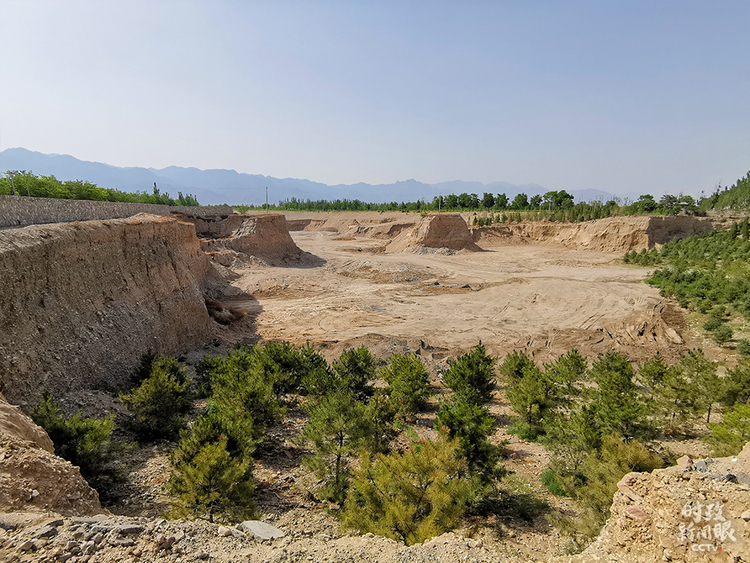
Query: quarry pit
89	297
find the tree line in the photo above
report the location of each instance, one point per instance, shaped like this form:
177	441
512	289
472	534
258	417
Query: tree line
553	206
23	183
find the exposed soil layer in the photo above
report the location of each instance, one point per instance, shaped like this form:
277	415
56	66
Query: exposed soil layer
83	301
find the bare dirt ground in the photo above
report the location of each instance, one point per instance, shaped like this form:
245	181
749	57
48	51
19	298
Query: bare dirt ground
541	298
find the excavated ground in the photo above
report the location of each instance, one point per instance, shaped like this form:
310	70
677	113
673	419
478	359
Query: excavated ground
538	288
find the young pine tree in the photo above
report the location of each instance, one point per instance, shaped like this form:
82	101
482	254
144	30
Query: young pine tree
409	497
471	376
161	400
338	427
408	383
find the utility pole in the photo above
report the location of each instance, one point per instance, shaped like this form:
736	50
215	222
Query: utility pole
266	200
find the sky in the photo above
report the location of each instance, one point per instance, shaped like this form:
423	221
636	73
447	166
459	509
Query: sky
618	95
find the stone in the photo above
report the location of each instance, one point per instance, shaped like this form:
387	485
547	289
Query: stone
684	462
261	530
129	529
26	546
224	531
746	516
46	532
637	513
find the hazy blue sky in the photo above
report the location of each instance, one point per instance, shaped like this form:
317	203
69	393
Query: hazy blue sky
623	96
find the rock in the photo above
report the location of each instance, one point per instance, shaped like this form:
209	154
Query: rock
46	532
684	462
637	513
261	530
224	531
129	529
746	516
26	546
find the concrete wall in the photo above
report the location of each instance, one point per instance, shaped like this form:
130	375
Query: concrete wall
19	211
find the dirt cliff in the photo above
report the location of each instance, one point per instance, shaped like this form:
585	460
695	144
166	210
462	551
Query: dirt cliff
32	478
264	238
434	232
83	301
616	234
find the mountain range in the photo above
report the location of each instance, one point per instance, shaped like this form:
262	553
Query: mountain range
212	187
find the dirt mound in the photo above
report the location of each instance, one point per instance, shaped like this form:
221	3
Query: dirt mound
612	234
86	300
435	232
261	237
32	478
691	512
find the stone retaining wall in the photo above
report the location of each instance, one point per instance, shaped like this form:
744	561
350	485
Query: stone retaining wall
19	211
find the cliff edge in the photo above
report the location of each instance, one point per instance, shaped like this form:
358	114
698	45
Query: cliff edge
83	301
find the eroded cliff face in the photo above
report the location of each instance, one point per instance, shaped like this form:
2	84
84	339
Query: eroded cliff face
81	302
611	234
264	238
32	478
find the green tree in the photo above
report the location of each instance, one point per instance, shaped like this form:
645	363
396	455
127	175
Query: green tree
520	202
212	485
471	376
533	397
242	380
338	427
354	370
472	426
412	496
408	383
160	402
617	404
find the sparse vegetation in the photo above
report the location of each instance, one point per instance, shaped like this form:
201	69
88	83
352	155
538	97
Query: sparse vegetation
85	442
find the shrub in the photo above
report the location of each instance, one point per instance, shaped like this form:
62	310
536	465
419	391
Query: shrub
549	479
723	334
408	382
471	376
160	401
409	497
729	437
85	442
712	323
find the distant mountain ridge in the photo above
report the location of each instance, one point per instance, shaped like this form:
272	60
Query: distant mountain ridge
213	187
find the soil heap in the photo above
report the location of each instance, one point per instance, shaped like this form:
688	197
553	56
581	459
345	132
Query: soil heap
32	478
434	232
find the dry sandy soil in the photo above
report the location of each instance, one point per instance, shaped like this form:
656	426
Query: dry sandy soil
544	298
518	292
